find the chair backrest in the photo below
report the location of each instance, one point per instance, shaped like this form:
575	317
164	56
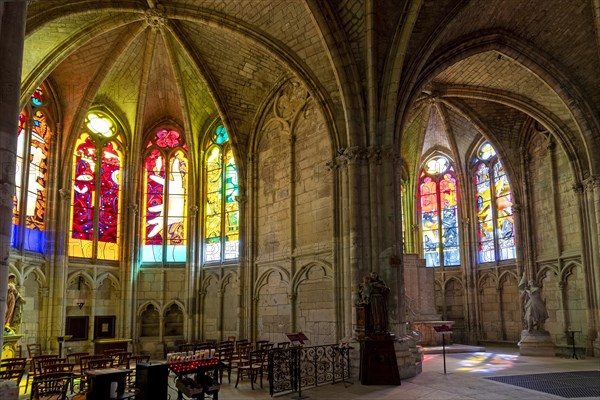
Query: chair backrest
99	363
36	362
133	360
84	360
13	363
34	350
243	349
75	357
42	363
51	384
14	374
283	345
58	367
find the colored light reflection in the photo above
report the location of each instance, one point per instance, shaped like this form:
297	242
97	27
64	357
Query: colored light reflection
480	362
487	362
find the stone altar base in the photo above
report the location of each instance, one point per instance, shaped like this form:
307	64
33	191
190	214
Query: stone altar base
536	343
378	364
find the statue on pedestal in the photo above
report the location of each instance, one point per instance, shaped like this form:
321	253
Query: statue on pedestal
535	309
535	341
14	306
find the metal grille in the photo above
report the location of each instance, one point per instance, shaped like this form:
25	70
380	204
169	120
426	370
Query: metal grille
569	385
291	370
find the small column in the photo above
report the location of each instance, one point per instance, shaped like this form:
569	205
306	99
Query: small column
12	34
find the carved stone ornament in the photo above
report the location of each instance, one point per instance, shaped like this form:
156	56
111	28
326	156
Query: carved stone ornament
65	194
134	208
155	18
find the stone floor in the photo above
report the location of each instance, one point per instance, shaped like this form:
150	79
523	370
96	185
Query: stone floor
464	379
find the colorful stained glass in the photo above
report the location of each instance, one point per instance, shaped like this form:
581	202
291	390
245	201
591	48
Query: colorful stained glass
504	214
29	201
494	208
486	151
167	138
100	124
221	209
221	135
155	189
166	181
231	208
213	211
436	166
485	225
97	186
439	213
84	197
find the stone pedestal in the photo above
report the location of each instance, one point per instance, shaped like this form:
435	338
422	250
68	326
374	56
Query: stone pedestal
9	347
536	343
378	365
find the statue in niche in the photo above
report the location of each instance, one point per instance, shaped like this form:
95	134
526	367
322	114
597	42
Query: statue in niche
535	309
14	306
373	293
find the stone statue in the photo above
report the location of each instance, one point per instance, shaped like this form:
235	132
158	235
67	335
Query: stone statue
14	305
378	298
535	309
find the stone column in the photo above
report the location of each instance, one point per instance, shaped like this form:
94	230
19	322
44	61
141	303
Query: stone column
593	273
12	34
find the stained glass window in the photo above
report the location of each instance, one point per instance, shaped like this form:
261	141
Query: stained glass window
493	202
439	213
221	211
29	201
95	200
165	235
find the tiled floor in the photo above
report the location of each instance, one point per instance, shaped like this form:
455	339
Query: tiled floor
464	380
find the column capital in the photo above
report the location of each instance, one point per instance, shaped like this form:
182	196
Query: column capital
65	194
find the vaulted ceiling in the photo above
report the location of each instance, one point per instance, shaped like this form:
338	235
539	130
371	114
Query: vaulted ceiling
190	62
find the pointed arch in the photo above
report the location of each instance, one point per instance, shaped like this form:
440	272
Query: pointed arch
97	171
166	190
438	211
221	208
35	133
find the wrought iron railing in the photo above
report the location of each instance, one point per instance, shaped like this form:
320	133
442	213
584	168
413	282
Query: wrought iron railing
291	370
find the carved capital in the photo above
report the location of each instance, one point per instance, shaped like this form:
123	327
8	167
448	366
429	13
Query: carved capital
241	199
292	298
373	154
133	208
592	183
466	221
65	194
517	208
578	187
354	155
194	209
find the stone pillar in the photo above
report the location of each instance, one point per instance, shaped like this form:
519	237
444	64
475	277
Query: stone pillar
12	34
593	273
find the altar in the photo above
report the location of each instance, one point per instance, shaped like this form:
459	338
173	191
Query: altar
103	345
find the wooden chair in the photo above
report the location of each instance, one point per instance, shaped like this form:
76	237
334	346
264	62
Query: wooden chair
225	356
34	350
50	386
99	363
13	374
252	367
35	369
131	365
13	363
83	366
